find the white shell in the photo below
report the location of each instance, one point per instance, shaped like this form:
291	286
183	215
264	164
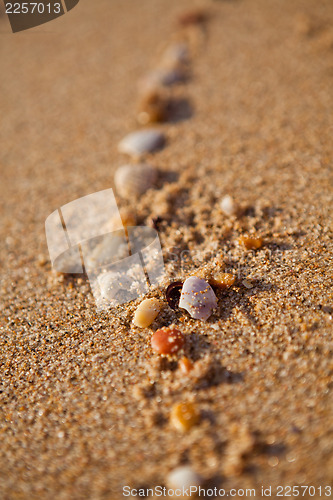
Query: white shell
198	298
134	180
143	141
183	477
228	205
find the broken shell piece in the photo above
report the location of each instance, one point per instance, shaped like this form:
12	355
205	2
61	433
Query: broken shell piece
133	180
228	205
143	141
172	294
198	298
111	283
146	312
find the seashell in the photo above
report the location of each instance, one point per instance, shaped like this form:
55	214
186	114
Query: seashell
175	55
167	340
143	141
146	312
162	77
110	283
184	477
198	298
172	294
153	108
228	205
134	180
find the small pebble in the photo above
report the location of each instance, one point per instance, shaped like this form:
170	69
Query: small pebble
228	205
250	243
185	365
192	17
222	280
183	477
132	181
184	416
167	340
146	312
143	141
198	298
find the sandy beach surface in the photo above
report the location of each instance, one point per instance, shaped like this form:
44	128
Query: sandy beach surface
85	402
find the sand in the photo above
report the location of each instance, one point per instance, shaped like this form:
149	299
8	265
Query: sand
85	403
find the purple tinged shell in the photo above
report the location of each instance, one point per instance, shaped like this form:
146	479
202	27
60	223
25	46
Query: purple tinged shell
198	298
141	142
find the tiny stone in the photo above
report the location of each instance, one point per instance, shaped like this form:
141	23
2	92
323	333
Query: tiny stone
222	280
185	365
146	312
184	416
228	205
167	340
250	243
143	141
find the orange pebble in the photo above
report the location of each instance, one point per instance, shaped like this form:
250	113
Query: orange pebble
185	365
184	416
222	280
250	243
167	340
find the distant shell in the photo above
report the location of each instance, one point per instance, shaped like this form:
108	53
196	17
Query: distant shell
198	298
134	180
175	55
146	312
228	205
153	108
143	141
183	477
162	77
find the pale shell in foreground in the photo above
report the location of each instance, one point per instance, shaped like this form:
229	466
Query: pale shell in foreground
183	477
134	180
146	312
198	298
143	141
